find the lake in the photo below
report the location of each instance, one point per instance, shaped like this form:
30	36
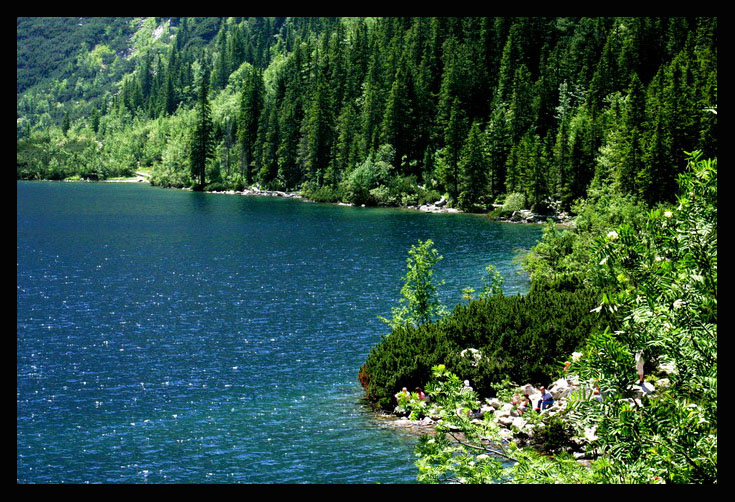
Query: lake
166	336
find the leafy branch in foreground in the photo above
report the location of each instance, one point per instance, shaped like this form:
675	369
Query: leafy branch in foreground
468	450
662	279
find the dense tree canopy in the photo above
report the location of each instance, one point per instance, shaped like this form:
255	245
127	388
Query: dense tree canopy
474	108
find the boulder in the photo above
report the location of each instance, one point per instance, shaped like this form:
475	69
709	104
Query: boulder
473	355
518	423
505	420
494	402
561	389
530	390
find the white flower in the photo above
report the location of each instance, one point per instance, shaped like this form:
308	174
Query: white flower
678	303
668	214
576	356
612	235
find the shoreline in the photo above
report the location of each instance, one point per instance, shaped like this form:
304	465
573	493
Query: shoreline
519	217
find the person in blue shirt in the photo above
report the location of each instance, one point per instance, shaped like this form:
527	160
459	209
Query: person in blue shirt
546	400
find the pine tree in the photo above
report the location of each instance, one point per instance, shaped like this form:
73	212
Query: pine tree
316	137
454	136
372	106
399	120
473	169
222	68
705	85
251	104
521	103
202	144
634	115
65	123
268	139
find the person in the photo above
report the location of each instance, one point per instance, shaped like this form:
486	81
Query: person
420	393
526	404
403	395
546	400
639	361
596	395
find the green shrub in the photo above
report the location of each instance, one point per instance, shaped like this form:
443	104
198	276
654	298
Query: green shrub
514	202
216	186
323	194
521	338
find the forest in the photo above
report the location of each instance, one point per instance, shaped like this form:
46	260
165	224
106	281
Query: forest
376	111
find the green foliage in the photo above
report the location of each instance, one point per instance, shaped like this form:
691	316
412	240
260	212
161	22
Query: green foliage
514	202
470	451
562	258
492	283
322	194
662	278
362	182
663	282
473	107
202	144
520	338
419	292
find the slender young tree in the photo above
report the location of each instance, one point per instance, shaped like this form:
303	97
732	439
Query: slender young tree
420	303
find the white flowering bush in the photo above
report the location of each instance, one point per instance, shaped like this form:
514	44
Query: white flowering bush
663	285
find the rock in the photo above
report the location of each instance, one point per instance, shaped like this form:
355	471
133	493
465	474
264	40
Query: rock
589	434
529	390
518	423
644	389
487	409
667	369
663	383
506	434
503	418
494	402
473	355
561	389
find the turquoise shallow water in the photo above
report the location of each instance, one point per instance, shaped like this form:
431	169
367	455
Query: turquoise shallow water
165	336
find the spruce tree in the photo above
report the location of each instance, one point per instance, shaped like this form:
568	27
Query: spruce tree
251	104
634	114
473	169
202	144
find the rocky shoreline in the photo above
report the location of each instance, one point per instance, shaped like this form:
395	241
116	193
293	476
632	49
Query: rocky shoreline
526	427
438	207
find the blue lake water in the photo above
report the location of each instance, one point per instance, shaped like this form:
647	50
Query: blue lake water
165	336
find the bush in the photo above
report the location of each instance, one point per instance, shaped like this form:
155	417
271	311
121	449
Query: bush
323	194
364	178
514	202
521	338
216	186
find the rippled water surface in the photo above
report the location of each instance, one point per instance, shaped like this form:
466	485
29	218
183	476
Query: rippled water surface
165	336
